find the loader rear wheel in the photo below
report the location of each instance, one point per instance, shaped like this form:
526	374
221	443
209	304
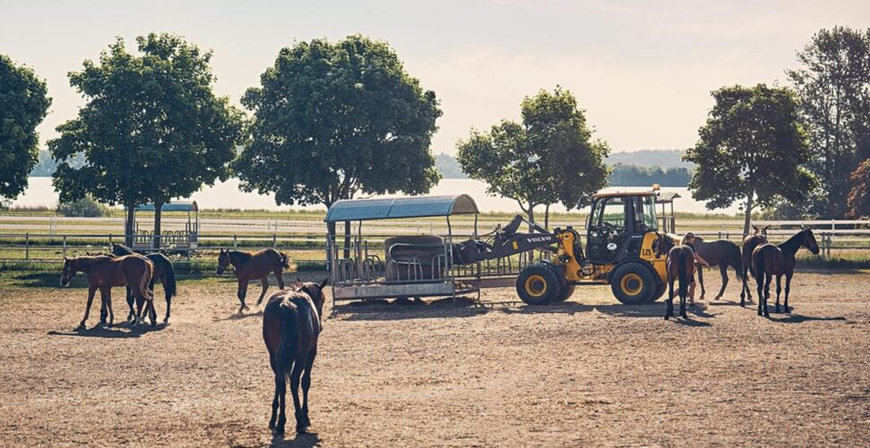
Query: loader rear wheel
633	283
538	284
567	292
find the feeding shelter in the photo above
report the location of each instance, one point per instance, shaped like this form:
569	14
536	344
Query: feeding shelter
182	240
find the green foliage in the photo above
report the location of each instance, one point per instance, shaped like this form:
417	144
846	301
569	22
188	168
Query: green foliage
858	201
833	84
752	148
548	158
84	207
152	128
24	102
640	176
333	120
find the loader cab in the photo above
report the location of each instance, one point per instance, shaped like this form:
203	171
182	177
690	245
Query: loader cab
617	223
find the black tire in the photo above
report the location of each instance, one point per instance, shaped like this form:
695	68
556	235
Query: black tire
633	283
538	284
661	288
567	292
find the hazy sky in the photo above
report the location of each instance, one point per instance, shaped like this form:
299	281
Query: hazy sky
643	70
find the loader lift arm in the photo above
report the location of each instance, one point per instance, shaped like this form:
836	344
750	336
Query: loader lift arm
507	241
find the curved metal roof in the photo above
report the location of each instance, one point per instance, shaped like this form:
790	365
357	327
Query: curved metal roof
175	206
395	208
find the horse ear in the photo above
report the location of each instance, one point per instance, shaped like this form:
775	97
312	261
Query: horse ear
324	282
298	283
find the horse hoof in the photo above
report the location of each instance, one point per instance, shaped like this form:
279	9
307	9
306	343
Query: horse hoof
786	310
667	317
301	429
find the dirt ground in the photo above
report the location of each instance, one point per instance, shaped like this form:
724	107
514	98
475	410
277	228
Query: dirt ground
583	373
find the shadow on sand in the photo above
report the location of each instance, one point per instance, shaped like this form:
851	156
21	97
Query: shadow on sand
407	309
307	440
237	316
797	318
122	330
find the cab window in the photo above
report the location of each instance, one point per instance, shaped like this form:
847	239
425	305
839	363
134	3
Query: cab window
613	212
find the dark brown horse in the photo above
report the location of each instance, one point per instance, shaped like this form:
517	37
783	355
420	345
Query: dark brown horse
291	327
749	244
163	271
680	263
104	272
769	260
722	253
255	265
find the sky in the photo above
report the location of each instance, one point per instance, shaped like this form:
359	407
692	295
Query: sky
642	70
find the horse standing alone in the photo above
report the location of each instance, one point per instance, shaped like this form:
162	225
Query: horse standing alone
680	263
255	265
163	271
769	260
104	272
722	253
291	328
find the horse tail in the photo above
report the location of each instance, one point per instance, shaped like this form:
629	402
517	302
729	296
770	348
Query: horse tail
737	264
145	280
681	271
169	274
757	265
289	337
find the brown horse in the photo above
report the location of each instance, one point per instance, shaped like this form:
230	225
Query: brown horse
291	327
163	271
104	272
749	244
255	265
722	253
769	260
680	263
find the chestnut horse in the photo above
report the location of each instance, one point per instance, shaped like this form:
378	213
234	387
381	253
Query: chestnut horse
291	328
163	271
749	244
104	272
255	265
680	263
769	260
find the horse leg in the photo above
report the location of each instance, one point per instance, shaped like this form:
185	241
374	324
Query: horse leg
724	271
767	279
280	400
275	399
294	389
787	288
168	296
778	290
91	291
669	310
130	304
279	276
759	288
701	281
265	282
306	383
106	293
243	291
682	294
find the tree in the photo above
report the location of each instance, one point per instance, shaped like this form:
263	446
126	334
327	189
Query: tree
548	158
152	128
334	120
24	102
752	148
858	202
833	85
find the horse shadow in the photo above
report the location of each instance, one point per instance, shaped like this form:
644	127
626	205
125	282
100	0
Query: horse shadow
113	332
797	318
307	440
382	310
238	316
553	308
45	279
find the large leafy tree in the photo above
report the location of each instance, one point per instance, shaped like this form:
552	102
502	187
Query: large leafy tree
24	102
752	148
152	128
549	158
858	201
332	120
833	84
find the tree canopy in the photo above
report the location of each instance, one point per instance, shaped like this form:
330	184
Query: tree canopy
335	119
152	128
548	158
24	102
833	84
858	201
752	148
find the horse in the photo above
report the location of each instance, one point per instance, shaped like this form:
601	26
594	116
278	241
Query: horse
749	244
163	270
291	327
255	265
680	264
104	272
722	253
769	260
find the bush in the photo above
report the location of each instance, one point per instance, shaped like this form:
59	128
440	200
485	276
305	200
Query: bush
86	207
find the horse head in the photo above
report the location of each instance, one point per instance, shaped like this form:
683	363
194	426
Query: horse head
70	267
810	240
223	261
314	290
662	244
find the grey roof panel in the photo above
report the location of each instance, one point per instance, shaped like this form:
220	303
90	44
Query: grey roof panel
403	207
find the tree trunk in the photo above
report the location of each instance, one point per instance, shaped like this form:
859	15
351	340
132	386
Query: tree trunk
128	224
158	206
347	239
531	214
547	216
747	213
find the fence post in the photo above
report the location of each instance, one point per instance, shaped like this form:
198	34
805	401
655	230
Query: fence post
274	240
64	246
235	245
27	246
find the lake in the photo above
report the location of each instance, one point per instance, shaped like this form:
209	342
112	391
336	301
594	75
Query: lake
227	195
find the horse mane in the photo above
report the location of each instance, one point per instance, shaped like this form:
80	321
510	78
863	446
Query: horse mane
88	261
238	256
794	243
